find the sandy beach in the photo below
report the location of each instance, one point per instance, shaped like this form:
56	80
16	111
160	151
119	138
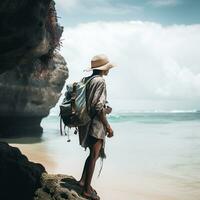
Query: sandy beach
148	162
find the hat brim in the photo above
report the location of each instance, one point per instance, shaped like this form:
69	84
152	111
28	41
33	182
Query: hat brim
103	67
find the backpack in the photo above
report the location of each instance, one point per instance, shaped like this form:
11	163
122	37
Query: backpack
73	109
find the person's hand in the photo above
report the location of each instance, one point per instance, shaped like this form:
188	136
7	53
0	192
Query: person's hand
109	131
108	110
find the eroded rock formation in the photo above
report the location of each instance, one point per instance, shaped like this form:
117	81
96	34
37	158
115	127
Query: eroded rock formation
32	72
19	178
25	180
60	187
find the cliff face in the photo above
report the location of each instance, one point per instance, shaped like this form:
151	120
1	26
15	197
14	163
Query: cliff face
32	72
32	75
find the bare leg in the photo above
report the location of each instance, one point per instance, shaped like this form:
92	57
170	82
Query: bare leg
94	155
82	180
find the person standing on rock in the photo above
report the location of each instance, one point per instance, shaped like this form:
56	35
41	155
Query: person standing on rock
93	134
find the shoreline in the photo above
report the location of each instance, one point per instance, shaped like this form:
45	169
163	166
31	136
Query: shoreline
109	188
148	162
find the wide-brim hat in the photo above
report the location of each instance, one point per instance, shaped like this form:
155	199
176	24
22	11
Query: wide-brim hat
100	62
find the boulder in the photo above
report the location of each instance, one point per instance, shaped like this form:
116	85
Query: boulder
19	178
58	187
25	180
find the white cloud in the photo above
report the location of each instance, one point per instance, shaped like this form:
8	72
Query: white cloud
158	67
161	3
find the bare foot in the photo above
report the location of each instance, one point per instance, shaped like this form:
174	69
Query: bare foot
91	196
81	184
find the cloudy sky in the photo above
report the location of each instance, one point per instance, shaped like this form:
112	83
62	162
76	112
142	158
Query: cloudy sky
154	44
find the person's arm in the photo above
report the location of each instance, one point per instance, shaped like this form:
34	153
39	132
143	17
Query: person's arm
102	117
100	98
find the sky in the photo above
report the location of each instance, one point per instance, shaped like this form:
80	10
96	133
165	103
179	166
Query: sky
153	43
166	12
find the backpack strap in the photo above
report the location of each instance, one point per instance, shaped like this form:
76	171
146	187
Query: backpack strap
90	79
61	131
92	117
73	98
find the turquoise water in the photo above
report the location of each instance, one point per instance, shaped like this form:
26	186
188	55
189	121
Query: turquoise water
154	153
155	118
152	156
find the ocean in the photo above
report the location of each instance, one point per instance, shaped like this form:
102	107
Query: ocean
152	156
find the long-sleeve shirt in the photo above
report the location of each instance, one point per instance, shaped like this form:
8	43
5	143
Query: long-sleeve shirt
96	102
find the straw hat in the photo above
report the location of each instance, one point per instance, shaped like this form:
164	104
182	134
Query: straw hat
100	62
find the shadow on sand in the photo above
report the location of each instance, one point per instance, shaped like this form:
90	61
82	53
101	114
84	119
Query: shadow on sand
22	140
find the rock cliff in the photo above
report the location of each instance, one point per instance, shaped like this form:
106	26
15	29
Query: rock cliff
32	72
25	180
32	75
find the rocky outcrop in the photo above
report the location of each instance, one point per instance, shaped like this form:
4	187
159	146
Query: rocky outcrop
25	180
19	178
29	30
24	101
32	72
58	187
